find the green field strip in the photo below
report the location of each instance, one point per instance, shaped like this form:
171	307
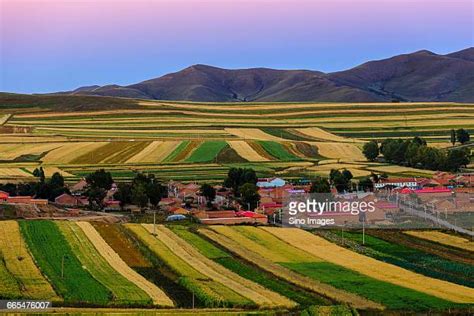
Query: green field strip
172	156
278	151
416	260
124	292
246	270
9	287
210	292
206	152
393	296
53	255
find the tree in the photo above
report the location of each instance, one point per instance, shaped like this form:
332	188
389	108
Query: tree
453	137
155	191
209	193
463	136
366	184
249	195
456	159
341	180
39	173
320	185
57	180
124	194
371	150
347	174
236	177
139	196
100	179
96	197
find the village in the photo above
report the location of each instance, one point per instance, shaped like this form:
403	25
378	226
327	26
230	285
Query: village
446	195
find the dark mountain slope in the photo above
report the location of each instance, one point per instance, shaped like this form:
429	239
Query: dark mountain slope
420	76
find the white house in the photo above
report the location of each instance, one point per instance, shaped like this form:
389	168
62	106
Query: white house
410	183
271	183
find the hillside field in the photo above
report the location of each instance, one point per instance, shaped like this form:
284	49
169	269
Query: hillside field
201	141
83	264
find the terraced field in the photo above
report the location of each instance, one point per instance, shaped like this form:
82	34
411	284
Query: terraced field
241	267
155	133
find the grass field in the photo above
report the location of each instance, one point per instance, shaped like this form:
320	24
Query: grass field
307	264
212	293
83	264
58	262
20	264
142	134
416	260
206	152
370	267
123	291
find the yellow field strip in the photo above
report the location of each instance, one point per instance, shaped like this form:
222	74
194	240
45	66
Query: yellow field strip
355	169
254	292
399	169
340	122
49	171
69	151
333	253
245	151
321	134
12	151
14	172
155	152
12	248
156	294
4	118
442	238
278	106
335	150
252	133
132	131
288	275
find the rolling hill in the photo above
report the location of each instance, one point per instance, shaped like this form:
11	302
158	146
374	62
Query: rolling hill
418	76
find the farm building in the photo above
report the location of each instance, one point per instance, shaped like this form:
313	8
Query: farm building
4	196
271	183
67	200
79	187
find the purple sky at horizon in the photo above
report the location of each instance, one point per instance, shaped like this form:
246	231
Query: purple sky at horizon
55	45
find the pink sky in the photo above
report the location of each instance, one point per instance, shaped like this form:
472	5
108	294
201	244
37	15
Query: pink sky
55	45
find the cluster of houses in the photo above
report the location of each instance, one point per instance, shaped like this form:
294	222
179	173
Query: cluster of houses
26	199
445	191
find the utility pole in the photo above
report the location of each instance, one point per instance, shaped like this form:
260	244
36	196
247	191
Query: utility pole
342	234
363	232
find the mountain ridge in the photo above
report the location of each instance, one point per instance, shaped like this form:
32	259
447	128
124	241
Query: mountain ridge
418	76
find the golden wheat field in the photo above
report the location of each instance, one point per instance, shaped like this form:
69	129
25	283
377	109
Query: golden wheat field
288	275
244	150
12	248
157	295
252	291
445	239
330	252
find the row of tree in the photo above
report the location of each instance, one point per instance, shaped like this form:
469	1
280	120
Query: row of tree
41	189
415	153
461	136
243	182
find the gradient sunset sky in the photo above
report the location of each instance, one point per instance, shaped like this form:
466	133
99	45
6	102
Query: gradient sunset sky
63	44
